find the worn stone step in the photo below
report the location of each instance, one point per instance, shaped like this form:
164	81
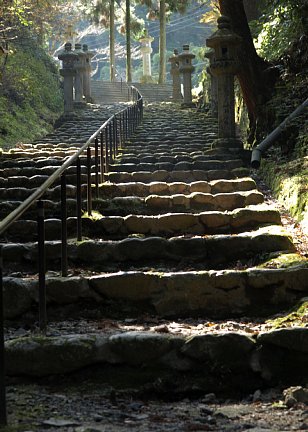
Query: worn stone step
123	205
151	361
213	251
168	146
32	171
213	294
162	188
168	157
179	166
175	176
179	202
169	224
21	193
52	208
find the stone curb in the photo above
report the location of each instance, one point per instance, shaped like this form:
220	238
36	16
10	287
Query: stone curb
210	293
278	356
211	250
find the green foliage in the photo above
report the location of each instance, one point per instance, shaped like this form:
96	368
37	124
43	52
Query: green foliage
281	23
30	95
297	317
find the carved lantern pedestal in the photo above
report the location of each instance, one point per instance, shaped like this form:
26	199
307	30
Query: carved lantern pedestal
87	74
176	78
68	71
224	66
146	51
186	68
81	68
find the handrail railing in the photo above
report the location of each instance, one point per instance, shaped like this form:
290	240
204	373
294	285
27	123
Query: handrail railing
269	140
128	87
105	142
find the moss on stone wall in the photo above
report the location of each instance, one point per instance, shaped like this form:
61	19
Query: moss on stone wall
289	183
30	93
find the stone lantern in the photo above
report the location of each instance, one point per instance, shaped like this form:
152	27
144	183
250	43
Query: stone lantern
87	73
68	71
80	67
213	84
224	66
146	50
176	78
186	68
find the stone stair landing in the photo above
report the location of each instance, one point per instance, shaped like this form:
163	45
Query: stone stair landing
104	92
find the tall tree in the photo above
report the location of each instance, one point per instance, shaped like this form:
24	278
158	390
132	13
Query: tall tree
128	42
112	41
164	10
162	42
255	76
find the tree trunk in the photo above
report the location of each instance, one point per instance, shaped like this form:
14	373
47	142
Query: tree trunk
128	47
112	41
162	42
255	82
251	9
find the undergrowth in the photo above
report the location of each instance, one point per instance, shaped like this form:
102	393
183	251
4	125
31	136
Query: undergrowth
30	93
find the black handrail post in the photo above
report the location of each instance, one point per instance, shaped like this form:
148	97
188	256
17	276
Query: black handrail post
41	265
120	131
102	157
106	149
3	415
96	167
110	133
126	128
63	226
115	136
89	182
78	200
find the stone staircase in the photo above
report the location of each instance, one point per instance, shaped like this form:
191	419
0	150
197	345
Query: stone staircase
181	242
104	92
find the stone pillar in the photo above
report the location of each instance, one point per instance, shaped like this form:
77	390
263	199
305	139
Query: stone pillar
146	51
68	72
176	78
224	66
80	67
213	89
186	68
87	74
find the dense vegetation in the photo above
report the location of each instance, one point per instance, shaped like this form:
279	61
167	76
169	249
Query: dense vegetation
30	93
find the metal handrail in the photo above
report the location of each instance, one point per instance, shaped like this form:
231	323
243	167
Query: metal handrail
269	140
15	214
109	135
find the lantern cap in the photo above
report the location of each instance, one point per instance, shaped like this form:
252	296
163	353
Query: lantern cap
224	34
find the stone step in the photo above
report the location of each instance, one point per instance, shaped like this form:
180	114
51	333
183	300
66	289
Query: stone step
36	180
213	294
179	194
178	202
169	224
151	362
175	176
52	208
179	166
128	158
211	251
162	188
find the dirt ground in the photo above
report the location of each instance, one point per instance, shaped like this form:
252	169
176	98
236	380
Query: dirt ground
55	407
